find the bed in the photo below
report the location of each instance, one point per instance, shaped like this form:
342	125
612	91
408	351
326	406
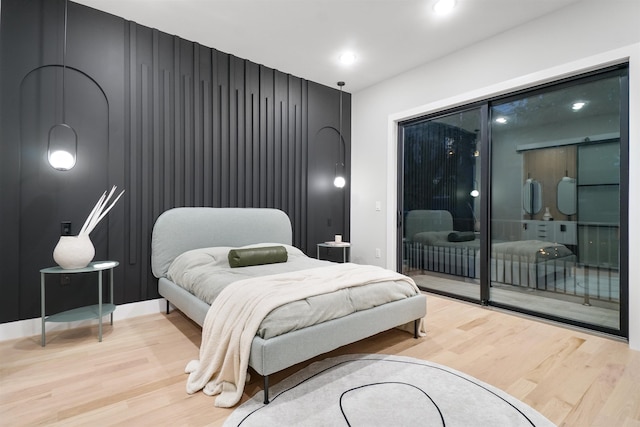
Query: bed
433	245
182	230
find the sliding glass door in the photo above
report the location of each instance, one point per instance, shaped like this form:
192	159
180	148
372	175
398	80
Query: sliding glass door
520	201
556	209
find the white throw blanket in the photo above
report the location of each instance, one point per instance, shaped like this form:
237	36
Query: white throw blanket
235	315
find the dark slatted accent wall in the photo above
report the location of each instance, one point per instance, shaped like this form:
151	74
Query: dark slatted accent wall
208	129
172	122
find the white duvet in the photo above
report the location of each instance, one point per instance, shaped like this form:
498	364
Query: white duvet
234	317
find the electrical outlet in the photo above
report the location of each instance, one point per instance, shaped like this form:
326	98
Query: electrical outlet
65	228
378	254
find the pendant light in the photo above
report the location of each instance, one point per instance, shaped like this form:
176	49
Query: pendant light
339	180
62	146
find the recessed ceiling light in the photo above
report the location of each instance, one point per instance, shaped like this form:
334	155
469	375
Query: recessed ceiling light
442	7
578	105
501	120
347	58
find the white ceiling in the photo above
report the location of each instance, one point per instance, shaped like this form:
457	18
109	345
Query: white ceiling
305	37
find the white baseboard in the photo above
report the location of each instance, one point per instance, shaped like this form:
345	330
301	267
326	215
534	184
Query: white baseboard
30	327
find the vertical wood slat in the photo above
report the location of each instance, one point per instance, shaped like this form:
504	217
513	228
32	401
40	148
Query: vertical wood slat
252	129
279	143
266	136
292	140
253	160
224	148
234	142
178	199
215	126
301	235
146	169
167	140
224	115
132	166
294	170
157	165
285	149
207	145
188	144
196	179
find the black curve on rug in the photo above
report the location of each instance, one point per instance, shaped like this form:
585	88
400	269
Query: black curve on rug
346	419
393	361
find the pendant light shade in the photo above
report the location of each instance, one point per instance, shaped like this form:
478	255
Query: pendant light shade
340	180
62	147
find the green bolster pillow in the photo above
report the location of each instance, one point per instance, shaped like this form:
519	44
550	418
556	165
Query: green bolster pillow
257	256
461	236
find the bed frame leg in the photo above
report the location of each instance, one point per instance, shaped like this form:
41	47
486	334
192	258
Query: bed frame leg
416	325
266	389
167	306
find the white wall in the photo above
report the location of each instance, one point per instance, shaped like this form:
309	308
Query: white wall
565	43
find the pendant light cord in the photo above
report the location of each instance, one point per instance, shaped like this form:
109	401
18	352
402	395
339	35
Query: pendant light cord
64	57
340	141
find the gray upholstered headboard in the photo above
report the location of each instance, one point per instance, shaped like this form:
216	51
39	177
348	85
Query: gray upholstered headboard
181	229
418	221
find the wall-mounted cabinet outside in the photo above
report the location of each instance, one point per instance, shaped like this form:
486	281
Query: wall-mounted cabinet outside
599	246
599	204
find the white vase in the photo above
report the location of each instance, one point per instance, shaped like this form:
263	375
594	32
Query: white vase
547	215
74	251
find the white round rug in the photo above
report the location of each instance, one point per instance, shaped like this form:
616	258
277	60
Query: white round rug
382	390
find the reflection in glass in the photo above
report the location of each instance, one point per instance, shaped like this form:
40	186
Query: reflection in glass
441	203
556	253
551	230
566	196
532	196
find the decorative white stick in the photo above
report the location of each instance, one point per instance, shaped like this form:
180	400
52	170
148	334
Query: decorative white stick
98	212
88	220
106	211
101	204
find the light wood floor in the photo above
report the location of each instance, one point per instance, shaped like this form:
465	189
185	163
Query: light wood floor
135	376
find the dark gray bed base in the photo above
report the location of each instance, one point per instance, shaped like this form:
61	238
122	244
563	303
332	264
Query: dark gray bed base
275	354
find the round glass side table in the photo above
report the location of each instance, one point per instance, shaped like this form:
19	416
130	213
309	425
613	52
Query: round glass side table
97	311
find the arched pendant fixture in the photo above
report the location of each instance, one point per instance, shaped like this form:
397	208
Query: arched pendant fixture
62	144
